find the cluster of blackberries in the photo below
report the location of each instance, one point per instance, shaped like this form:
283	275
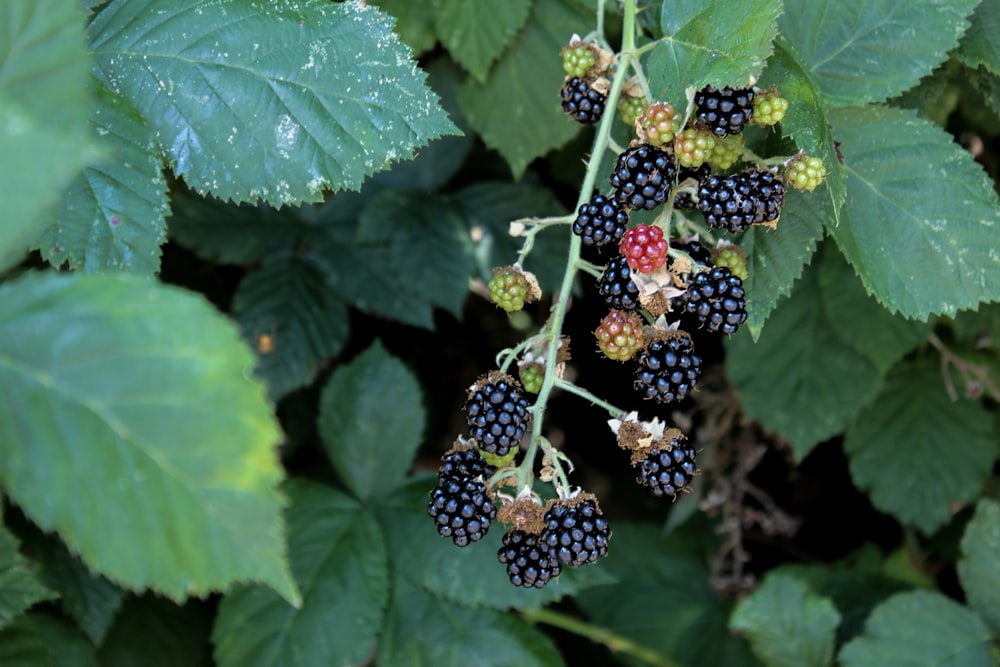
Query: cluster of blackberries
461	504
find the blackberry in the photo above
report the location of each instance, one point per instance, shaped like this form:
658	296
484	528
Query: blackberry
645	248
461	508
805	173
696	251
600	221
578	59
619	335
497	413
661	121
733	258
724	111
576	534
698	174
668	470
582	102
740	200
769	108
643	177
532	376
630	108
667	368
464	463
509	288
717	296
616	285
693	146
530	562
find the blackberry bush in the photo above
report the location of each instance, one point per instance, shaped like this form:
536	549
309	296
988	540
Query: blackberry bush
643	177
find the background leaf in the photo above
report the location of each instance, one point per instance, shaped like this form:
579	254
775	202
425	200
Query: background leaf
979	45
40	640
918	252
139	437
20	587
213	97
860	51
339	559
978	569
787	624
920	628
414	22
476	32
371	420
155	632
895	447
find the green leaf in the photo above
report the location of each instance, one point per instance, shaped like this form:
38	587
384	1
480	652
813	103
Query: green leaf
717	42
414	22
39	640
860	51
476	32
20	587
787	624
322	96
517	113
895	447
979	570
920	629
140	438
113	214
371	420
154	632
288	312
800	378
339	559
979	46
921	219
44	103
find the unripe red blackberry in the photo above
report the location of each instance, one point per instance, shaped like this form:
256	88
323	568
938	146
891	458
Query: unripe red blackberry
644	247
619	335
660	122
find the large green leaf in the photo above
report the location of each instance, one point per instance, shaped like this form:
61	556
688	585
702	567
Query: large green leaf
40	640
371	419
414	22
979	45
113	214
920	629
45	106
154	632
801	378
920	224
979	569
20	586
288	312
717	42
916	451
271	101
787	624
860	51
339	559
475	32
518	112
139	436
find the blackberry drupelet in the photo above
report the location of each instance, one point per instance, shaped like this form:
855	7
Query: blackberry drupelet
530	563
717	296
643	177
582	102
668	470
497	413
724	111
616	285
600	222
740	200
696	251
578	533
461	508
465	463
667	369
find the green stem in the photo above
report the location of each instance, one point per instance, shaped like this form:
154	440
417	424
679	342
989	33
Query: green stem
614	641
614	411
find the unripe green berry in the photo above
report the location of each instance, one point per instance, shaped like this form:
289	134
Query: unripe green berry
769	107
532	375
734	259
630	108
727	151
620	335
578	60
508	288
805	173
499	461
660	122
693	146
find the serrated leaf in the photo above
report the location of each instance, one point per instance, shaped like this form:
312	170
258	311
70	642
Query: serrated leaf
800	378
787	624
978	569
339	559
44	103
979	46
414	22
322	96
920	223
476	32
517	113
139	437
288	312
860	51
371	420
920	629
776	257
20	586
895	447
717	42
112	216
154	632
40	640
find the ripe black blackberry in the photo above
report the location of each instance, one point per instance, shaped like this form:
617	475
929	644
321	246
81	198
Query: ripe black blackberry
530	563
698	174
497	413
667	470
461	508
643	177
583	103
724	111
616	285
462	462
717	296
740	200
576	532
667	368
600	222
696	251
